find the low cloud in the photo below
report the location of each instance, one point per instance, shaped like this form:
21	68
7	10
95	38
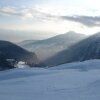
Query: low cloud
24	13
12	11
90	21
37	13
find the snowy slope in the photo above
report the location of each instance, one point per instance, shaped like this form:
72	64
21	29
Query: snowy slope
65	82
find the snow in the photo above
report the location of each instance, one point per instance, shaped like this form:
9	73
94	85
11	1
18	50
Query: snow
21	64
85	65
64	82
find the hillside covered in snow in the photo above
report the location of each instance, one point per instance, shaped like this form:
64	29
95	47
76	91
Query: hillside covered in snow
73	81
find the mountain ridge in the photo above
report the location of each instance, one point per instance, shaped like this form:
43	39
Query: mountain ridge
9	50
86	49
48	47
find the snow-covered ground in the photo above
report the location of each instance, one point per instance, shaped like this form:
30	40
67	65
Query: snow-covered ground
75	81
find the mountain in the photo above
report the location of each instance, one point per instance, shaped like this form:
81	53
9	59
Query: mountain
86	49
49	47
9	50
27	42
4	64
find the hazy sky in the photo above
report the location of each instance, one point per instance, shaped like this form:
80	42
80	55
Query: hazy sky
30	19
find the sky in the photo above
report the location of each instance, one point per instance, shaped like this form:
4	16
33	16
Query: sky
39	19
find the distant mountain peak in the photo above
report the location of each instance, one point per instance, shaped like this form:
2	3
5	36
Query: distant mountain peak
74	33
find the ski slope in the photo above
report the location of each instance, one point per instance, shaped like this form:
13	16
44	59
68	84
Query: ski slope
74	81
